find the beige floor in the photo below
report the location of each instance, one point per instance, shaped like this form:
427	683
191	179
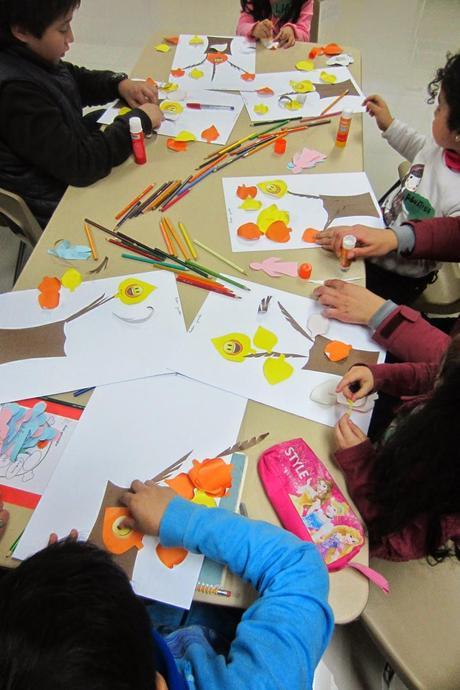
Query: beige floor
402	43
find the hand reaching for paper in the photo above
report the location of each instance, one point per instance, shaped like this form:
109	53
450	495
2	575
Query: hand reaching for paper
346	302
370	241
147	503
137	93
357	383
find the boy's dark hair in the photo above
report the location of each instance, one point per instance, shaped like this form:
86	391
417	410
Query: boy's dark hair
448	78
262	9
417	471
69	620
34	16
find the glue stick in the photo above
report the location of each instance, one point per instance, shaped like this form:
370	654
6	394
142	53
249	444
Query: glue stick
348	242
344	128
137	140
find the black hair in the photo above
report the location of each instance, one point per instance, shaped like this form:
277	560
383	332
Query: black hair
448	78
417	468
262	9
35	16
69	620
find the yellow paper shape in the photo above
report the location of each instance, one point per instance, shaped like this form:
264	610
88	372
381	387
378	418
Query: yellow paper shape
169	86
305	65
171	107
71	279
196	41
124	110
162	48
276	370
196	73
274	187
293	105
264	339
185	135
328	78
133	291
251	205
261	108
203	499
270	215
233	346
304	86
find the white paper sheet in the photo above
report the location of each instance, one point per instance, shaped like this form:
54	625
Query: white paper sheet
239	60
100	347
290	86
236	323
303	212
130	431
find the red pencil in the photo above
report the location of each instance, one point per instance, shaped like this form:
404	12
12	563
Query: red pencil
216	287
133	249
173	201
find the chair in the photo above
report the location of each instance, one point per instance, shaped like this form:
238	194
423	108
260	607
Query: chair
16	215
314	29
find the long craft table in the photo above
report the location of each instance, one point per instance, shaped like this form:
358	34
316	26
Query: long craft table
203	213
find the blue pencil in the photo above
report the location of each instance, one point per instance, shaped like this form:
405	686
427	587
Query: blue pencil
81	391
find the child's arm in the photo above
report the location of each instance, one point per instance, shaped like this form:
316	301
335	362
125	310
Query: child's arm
406	379
406	141
302	26
282	636
246	23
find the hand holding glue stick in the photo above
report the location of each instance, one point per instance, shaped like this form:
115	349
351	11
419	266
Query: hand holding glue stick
348	244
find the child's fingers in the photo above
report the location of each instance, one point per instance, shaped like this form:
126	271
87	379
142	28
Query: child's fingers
358	433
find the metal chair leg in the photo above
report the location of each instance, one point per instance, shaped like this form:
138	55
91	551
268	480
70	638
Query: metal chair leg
20	260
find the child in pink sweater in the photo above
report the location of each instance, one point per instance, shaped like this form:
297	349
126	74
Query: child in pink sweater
281	20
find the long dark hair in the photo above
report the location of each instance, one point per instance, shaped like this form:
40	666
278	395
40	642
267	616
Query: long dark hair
417	470
448	78
262	9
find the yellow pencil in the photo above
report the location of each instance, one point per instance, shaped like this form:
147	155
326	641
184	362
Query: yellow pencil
170	226
219	256
90	237
188	240
336	100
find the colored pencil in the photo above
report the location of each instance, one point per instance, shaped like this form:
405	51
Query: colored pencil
121	213
166	238
213	589
175	184
146	203
188	240
196	269
217	275
210	288
176	238
133	248
175	200
82	391
15	543
50	399
126	238
219	256
336	100
176	192
132	213
157	264
92	246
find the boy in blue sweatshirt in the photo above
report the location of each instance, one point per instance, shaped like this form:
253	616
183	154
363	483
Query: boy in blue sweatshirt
69	618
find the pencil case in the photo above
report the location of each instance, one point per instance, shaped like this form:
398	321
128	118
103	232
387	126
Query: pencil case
309	503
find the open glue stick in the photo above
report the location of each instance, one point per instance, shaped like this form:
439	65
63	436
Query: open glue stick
344	128
348	243
137	140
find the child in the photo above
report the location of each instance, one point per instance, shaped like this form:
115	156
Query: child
431	188
45	142
69	619
284	22
407	489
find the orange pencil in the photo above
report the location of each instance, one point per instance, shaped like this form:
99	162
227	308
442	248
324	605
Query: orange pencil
170	227
168	244
216	161
134	201
336	100
211	288
263	146
164	195
92	246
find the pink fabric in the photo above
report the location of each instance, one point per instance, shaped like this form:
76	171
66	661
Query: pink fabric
452	160
301	28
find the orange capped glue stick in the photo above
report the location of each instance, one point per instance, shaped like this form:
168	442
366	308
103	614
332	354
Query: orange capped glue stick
348	243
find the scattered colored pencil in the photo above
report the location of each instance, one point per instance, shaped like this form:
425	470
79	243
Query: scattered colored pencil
133	248
92	246
121	213
216	275
166	237
188	240
220	290
176	238
82	391
213	589
14	544
157	264
336	100
219	256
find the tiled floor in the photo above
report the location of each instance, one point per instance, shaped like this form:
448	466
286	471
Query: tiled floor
402	43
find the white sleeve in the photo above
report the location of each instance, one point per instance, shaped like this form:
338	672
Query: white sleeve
405	140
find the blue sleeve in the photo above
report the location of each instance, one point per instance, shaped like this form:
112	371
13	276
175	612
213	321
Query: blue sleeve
282	636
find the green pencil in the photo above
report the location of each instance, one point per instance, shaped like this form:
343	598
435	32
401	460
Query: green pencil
272	122
157	264
15	543
217	275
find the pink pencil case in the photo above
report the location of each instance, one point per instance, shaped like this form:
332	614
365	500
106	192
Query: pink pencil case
309	503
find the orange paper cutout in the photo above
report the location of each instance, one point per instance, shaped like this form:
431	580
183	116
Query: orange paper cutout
173	40
210	134
337	351
249	231
248	76
314	52
151	81
177	146
118	539
49	296
182	485
265	91
212	475
278	232
177	72
310	235
332	49
244	192
171	556
216	58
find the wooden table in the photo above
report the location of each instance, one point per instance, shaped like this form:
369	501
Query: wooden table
204	215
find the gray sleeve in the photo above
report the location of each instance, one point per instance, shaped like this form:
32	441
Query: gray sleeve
381	314
406	238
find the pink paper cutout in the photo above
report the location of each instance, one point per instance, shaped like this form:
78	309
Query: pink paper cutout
275	268
306	158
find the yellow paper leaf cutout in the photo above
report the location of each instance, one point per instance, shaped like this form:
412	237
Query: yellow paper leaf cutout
172	107
169	86
276	370
293	105
124	111
261	108
305	65
251	205
71	279
203	499
133	291
274	187
185	135
162	48
196	73
196	41
233	346
328	78
270	215
304	86
264	339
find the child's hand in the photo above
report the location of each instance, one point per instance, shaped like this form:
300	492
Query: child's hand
286	37
72	536
147	503
154	113
356	383
137	93
376	107
346	302
370	241
347	434
263	29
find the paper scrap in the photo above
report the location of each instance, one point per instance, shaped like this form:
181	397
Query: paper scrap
328	78
306	158
177	146
66	250
305	65
210	134
162	48
71	279
342	60
261	108
275	268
